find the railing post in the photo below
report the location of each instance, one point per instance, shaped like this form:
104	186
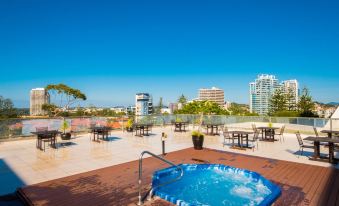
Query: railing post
140	181
330	123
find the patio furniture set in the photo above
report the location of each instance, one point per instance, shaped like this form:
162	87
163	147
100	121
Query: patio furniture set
142	129
45	136
100	132
331	141
243	137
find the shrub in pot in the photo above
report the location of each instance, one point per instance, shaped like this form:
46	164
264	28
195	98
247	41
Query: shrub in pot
198	140
129	125
65	135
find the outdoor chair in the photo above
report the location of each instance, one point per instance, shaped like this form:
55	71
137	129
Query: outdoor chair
49	140
255	139
317	135
92	131
316	132
254	127
281	133
302	145
40	129
228	137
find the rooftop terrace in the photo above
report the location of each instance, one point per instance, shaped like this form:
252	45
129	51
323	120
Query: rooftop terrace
78	161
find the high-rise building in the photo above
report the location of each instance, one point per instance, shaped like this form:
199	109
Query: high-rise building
214	94
143	104
38	97
261	91
291	88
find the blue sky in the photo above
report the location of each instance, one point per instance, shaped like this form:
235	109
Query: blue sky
113	49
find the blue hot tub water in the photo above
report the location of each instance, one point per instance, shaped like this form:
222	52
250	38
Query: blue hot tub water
213	184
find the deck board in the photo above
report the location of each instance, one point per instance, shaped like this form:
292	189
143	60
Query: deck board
301	184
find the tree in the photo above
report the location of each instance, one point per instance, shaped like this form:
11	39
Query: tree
67	96
182	99
159	107
291	103
306	104
7	109
198	107
278	102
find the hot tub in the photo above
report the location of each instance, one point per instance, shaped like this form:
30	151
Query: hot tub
214	184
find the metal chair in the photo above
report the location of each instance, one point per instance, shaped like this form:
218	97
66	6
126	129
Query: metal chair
254	139
281	133
302	145
40	129
317	135
254	127
227	135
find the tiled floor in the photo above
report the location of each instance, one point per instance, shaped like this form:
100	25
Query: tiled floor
22	164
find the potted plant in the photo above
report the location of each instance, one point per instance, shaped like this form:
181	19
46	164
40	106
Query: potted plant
65	135
129	125
178	120
270	125
198	140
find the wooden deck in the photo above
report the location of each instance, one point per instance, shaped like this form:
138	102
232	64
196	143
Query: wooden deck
301	184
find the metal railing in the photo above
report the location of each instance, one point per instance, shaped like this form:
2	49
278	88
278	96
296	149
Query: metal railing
150	192
13	128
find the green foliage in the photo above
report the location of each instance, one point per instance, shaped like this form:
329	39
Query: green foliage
306	104
159	107
7	109
182	99
253	114
238	109
197	134
80	112
129	123
66	95
278	101
291	103
286	114
178	119
205	107
66	90
64	126
51	109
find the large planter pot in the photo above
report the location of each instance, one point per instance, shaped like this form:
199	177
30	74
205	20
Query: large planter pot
198	142
66	136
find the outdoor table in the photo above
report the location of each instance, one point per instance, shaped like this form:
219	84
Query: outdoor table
180	126
330	141
267	133
48	134
330	132
240	135
213	128
141	128
101	130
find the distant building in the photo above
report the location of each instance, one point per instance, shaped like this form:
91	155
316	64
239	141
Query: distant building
173	107
119	109
38	97
165	110
130	109
291	87
214	94
227	105
143	104
261	91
